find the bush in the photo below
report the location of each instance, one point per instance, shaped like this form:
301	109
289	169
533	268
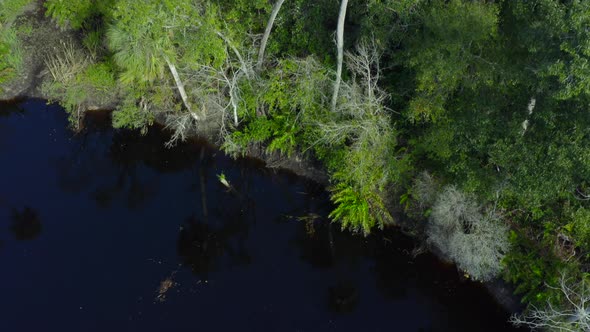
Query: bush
424	189
11	9
70	13
133	116
474	240
76	82
11	55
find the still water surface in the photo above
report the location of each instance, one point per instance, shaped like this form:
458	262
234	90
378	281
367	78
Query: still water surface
108	230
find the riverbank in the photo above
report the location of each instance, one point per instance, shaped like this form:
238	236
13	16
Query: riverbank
40	46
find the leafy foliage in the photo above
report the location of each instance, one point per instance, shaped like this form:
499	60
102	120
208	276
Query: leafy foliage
76	82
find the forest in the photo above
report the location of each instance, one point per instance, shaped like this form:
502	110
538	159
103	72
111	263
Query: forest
463	122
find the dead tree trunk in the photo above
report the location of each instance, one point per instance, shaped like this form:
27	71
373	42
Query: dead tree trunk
271	21
180	87
340	47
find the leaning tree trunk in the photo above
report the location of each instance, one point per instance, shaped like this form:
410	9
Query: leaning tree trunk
340	46
180	87
271	21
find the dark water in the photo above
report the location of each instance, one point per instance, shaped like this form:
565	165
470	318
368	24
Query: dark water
109	231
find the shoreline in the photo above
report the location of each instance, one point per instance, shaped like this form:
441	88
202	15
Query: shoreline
27	85
498	289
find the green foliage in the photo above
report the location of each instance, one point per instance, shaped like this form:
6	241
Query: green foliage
279	133
292	96
70	13
353	210
304	28
446	52
578	228
244	15
363	173
11	54
77	83
530	271
133	115
11	9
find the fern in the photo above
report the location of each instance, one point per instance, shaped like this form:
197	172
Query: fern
359	212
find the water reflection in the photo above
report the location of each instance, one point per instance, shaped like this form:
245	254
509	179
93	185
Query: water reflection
202	246
393	279
199	246
25	224
7	110
343	296
130	148
313	242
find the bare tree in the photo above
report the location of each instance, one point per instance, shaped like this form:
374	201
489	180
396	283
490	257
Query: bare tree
340	48
573	315
217	91
475	239
363	94
246	67
271	21
363	112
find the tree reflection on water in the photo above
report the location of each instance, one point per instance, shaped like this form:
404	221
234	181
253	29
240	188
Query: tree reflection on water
25	224
202	247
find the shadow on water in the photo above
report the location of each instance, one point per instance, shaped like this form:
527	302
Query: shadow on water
114	171
216	239
8	110
130	148
344	296
26	224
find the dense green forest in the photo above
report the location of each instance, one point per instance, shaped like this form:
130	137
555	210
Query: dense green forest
466	122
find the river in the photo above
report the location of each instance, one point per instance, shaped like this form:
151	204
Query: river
108	230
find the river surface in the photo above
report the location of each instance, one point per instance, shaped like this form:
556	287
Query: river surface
108	230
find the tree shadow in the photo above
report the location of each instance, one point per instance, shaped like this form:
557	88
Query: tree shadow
343	297
25	224
204	248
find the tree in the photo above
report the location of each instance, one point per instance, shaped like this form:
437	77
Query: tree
275	10
361	130
340	49
447	51
142	48
567	310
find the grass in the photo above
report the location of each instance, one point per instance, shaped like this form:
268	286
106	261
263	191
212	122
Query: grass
11	9
11	55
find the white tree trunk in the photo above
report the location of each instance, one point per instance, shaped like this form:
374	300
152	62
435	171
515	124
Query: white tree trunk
271	21
245	68
340	46
180	87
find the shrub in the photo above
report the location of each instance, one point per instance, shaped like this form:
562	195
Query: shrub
424	189
475	241
11	9
358	211
11	54
70	13
76	81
